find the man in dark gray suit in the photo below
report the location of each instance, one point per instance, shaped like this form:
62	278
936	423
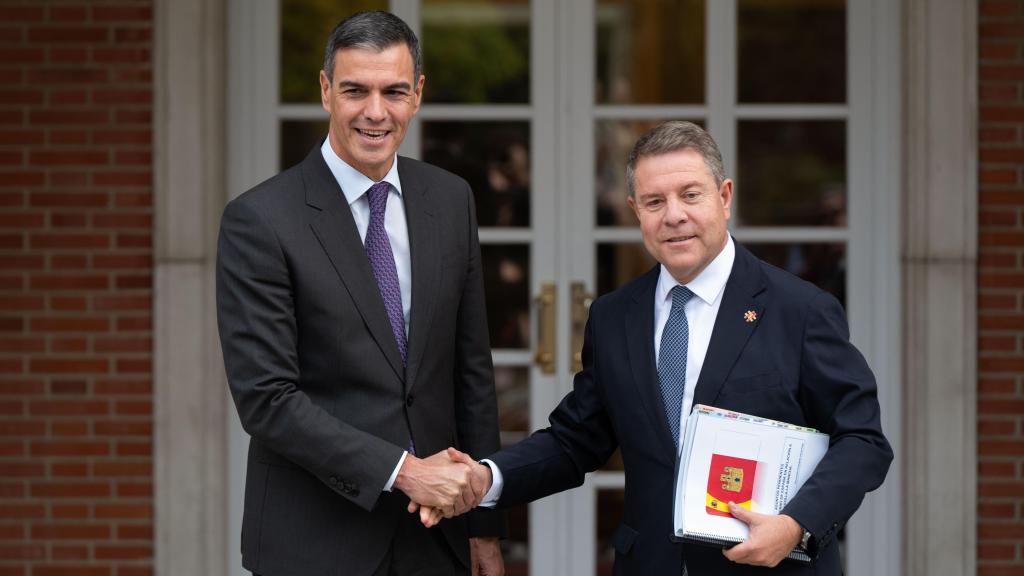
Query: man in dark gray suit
351	311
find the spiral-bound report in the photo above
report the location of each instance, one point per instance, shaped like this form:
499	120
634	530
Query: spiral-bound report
753	462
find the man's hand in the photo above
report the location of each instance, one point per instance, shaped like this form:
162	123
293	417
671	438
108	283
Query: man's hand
480	483
772	538
439	482
485	557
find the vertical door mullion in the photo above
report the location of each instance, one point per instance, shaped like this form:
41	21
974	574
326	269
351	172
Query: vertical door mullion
720	78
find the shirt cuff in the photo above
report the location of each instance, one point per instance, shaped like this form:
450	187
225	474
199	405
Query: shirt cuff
391	481
497	483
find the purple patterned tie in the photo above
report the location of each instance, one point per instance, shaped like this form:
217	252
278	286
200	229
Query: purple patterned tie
382	260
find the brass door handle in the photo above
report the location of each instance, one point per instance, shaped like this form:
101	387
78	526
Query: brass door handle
545	355
581	300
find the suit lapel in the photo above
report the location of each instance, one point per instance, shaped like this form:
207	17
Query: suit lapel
336	231
732	327
425	262
640	343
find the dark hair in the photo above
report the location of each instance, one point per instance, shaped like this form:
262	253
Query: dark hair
373	31
670	137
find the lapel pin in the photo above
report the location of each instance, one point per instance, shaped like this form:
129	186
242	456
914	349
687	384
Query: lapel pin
750	316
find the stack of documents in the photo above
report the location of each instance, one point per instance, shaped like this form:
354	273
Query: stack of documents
756	463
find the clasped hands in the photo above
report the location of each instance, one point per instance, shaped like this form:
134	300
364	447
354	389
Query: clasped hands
444	485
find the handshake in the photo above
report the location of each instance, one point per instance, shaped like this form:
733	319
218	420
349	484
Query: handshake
444	485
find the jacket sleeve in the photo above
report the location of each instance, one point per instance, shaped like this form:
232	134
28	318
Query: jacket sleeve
257	325
839	396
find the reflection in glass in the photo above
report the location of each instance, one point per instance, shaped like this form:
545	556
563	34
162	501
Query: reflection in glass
507	286
823	264
494	157
609	516
512	384
792	173
298	137
476	51
618	264
649	52
305	25
613	141
793	51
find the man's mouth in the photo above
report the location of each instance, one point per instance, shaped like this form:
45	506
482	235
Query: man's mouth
676	239
373	134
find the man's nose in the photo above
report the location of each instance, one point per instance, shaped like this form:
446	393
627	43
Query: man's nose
675	212
374	109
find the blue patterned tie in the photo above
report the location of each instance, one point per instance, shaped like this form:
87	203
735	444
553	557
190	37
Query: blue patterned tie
675	340
382	260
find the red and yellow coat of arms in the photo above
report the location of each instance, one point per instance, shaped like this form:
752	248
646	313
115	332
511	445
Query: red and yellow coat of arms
729	479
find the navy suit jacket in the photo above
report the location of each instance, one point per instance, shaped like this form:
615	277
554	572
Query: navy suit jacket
794	363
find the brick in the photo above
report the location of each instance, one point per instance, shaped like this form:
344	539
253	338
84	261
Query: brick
10	34
126	116
61	137
12	449
1001	531
22	511
70	179
69	407
65	262
70	324
134	490
21	387
12	199
1001	29
69	387
21	13
135	532
12	490
69	469
82	448
997	551
63	428
12	324
999	51
133	199
68	303
21	261
71	532
115	344
67	220
1002	197
123	511
70	511
121	179
70	490
69	157
123	552
69	365
21	345
69	552
122	428
22	302
134	408
63	56
1001	365
997	8
126	96
21	469
22	552
123	387
134	158
123	136
70	199
60	13
21	179
71	570
117	261
134	323
134	241
68	282
132	35
122	468
134	449
1001	407
68	35
20	97
12	532
22	55
12	407
1000	280
114	303
997	343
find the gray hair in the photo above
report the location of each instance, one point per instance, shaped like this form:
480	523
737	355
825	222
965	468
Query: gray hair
376	31
670	137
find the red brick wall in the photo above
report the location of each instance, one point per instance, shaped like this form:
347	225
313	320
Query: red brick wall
1001	289
75	288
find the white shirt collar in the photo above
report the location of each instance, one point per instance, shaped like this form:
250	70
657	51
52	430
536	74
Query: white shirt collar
709	284
353	182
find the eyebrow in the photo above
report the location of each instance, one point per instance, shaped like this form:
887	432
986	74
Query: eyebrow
395	86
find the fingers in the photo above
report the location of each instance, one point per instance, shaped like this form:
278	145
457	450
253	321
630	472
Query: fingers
462	457
412	507
741	513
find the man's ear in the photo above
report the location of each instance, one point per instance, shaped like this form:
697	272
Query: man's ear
325	92
417	91
725	193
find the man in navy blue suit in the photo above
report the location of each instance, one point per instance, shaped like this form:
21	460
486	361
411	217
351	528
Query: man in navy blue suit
711	324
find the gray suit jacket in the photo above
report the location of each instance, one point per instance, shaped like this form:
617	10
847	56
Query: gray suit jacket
316	375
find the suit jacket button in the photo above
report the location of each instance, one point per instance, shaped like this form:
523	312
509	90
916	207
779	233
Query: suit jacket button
333	480
409	399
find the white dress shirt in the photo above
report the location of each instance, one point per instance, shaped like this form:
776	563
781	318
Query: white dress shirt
354	185
701	313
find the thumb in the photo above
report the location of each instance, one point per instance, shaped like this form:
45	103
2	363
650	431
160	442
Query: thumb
742	514
460	456
412	507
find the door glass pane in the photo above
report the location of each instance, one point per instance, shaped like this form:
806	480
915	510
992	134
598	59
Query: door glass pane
305	25
507	285
613	139
792	51
823	264
494	157
649	51
512	384
618	263
609	516
298	137
792	173
476	51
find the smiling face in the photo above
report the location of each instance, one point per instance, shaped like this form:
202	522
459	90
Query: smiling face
371	99
682	212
